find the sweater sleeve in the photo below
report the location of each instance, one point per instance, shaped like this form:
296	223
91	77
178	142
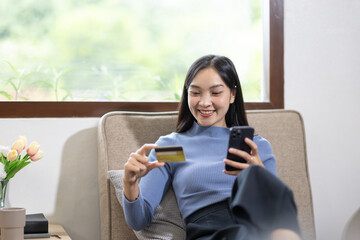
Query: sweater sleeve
266	154
139	213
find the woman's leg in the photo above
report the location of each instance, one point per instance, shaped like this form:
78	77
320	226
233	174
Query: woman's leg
219	225
261	207
264	200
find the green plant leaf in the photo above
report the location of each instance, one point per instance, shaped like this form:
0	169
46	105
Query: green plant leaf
17	166
12	173
3	159
11	79
65	97
53	69
11	165
177	96
13	68
46	83
68	94
5	94
14	163
6	166
66	71
29	74
13	85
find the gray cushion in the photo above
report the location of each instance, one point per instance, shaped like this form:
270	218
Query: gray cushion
167	222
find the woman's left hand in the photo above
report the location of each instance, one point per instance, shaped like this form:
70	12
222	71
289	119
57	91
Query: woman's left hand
252	158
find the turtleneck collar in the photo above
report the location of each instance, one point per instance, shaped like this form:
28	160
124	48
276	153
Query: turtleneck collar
211	131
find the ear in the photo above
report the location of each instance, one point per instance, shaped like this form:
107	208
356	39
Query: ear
233	96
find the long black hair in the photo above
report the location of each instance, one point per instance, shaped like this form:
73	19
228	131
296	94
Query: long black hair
236	114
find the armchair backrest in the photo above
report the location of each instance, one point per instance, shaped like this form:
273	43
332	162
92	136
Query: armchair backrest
120	133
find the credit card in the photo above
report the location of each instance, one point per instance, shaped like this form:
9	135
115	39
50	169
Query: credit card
170	154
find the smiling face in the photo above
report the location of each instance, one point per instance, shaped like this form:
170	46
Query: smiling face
209	98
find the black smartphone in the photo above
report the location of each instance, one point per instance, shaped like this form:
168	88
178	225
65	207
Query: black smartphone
236	140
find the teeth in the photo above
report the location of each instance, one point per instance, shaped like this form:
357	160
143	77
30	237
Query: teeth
206	112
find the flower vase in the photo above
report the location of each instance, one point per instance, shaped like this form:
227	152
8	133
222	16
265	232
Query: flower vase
3	185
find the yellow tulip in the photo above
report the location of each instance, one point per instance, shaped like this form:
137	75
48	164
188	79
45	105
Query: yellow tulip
37	156
33	149
12	155
19	144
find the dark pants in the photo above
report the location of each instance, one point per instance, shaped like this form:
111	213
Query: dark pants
259	204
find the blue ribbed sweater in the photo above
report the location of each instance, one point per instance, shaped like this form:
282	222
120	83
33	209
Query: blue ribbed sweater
197	182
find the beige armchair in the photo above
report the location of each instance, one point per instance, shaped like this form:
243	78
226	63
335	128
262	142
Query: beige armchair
120	133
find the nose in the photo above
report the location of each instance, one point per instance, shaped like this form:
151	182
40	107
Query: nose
205	100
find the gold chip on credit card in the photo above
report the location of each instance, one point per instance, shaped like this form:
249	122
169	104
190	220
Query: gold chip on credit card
170	154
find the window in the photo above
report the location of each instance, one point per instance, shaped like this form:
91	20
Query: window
62	87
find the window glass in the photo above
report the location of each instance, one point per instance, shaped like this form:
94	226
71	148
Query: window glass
110	50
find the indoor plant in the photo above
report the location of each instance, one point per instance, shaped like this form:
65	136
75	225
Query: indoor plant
12	162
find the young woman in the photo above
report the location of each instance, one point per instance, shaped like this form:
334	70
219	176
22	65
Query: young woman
250	203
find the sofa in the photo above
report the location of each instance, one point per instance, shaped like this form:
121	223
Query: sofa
120	133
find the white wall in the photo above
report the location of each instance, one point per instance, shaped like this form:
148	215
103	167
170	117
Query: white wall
62	185
322	82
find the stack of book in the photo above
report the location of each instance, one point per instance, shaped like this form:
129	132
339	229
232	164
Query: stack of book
36	226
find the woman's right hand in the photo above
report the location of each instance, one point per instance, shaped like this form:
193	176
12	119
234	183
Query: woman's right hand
136	167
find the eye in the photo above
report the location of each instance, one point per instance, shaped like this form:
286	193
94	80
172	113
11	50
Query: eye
216	93
192	93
